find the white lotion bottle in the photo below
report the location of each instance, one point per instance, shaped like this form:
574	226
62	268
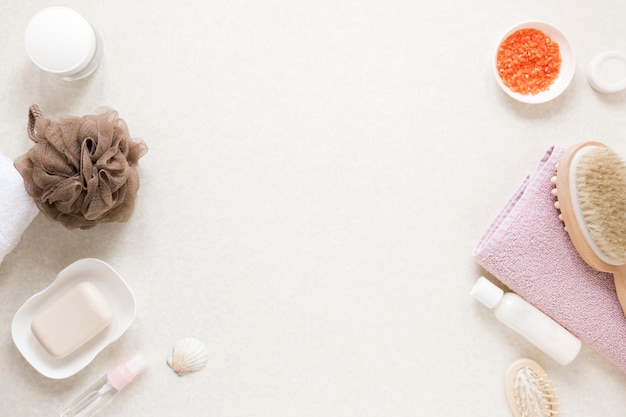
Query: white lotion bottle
103	390
527	320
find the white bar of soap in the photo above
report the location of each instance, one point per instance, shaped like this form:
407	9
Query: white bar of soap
72	320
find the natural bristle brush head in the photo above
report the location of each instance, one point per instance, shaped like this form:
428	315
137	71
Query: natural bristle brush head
529	391
601	185
591	195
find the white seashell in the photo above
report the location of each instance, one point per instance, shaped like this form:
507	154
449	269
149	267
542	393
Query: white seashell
188	355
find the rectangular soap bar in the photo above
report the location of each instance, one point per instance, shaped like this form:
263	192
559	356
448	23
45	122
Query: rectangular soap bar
72	320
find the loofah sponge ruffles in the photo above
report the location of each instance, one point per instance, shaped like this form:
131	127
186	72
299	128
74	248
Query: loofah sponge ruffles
82	170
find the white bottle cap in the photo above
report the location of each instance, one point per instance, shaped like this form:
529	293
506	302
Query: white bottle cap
136	364
607	72
486	292
60	41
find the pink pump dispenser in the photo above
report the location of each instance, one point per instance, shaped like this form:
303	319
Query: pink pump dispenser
122	375
102	391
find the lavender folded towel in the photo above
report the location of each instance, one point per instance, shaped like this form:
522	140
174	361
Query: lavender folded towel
527	249
17	208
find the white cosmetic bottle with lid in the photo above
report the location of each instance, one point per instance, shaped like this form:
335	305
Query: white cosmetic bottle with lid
62	42
606	73
527	320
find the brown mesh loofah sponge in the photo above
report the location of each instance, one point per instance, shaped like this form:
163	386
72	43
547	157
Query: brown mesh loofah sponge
82	170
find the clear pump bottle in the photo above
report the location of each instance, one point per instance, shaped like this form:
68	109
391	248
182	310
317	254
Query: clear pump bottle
527	320
102	391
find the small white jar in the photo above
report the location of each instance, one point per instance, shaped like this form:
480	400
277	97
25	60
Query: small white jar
62	42
607	72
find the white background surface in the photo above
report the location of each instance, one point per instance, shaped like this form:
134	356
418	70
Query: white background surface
317	176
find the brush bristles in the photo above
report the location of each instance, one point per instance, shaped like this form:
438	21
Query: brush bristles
534	395
601	190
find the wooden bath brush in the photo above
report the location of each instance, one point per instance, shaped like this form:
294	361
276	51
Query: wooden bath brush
591	195
529	391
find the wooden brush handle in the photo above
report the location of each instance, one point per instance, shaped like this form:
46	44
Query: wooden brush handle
619	275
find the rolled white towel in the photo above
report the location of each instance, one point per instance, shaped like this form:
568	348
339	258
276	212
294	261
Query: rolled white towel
17	208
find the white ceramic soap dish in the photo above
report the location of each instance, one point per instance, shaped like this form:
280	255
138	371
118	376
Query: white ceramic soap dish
113	289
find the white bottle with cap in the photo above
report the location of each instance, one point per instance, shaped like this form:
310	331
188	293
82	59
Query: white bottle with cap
62	42
527	320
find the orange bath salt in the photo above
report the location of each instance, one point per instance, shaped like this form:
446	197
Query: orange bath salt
528	61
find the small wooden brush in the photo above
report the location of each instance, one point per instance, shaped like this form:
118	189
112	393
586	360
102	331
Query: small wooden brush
529	391
591	195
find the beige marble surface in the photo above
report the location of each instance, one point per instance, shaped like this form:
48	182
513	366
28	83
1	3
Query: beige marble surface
318	174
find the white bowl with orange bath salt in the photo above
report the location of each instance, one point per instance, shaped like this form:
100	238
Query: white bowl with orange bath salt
60	330
534	62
